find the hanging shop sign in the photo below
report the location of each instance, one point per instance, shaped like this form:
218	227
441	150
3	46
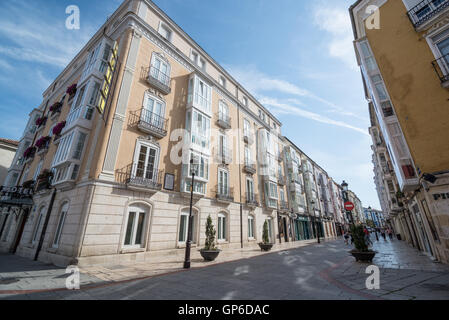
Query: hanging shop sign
108	78
16	196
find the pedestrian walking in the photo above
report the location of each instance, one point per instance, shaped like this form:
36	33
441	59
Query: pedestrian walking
390	233
367	237
382	232
346	237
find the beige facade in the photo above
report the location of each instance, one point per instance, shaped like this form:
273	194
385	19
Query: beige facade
404	66
120	182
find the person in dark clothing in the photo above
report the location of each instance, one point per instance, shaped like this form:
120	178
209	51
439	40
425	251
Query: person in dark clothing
383	234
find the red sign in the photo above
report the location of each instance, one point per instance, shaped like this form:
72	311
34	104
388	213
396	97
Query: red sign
349	206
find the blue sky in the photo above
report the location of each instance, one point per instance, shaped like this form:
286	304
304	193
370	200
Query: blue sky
295	56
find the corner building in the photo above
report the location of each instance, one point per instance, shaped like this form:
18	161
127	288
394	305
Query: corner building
119	190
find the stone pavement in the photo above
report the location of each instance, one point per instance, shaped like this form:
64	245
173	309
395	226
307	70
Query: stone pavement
312	271
19	274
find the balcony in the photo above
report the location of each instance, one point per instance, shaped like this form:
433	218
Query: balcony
81	116
43	182
248	137
281	180
149	122
137	178
223	155
441	67
42	145
159	80
252	200
55	111
225	195
283	206
250	168
425	11
223	120
280	156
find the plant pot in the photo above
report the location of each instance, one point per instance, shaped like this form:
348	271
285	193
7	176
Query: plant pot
265	246
210	255
363	256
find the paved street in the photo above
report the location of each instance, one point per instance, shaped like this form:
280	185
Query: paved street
324	271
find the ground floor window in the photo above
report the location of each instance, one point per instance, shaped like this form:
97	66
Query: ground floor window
251	227
62	216
184	227
221	236
270	229
38	225
137	217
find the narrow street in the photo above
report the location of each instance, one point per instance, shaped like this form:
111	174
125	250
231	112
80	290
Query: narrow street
317	271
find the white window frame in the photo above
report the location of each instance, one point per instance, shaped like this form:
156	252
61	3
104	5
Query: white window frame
37	226
149	145
60	226
222	228
223	182
186	213
138	210
167	29
251	224
38	170
222	81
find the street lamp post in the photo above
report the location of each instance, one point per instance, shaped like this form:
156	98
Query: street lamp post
314	219
189	232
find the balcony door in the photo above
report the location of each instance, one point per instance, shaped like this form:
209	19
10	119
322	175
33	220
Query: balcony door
223	182
153	112
160	70
146	162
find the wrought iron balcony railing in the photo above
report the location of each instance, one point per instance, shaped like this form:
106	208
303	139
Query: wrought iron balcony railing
224	194
149	122
223	120
441	67
426	10
223	155
283	205
250	168
135	176
159	80
252	200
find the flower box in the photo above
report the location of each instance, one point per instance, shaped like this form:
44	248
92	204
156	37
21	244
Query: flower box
29	153
71	91
58	128
44	180
41	122
42	144
56	108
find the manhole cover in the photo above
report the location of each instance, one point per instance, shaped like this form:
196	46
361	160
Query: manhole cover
436	286
9	280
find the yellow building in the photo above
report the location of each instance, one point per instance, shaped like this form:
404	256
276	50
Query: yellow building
402	49
111	162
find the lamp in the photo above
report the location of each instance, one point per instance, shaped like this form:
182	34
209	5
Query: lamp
344	185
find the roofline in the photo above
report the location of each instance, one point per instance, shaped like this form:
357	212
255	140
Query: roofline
215	63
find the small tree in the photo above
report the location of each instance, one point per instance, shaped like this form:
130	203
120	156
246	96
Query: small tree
358	234
210	235
265	237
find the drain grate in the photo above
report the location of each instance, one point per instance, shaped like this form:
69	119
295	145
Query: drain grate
9	280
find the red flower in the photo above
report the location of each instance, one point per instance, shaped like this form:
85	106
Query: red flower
58	128
29	152
41	121
42	141
72	89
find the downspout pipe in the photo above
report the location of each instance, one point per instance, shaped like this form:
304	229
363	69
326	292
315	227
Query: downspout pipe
44	228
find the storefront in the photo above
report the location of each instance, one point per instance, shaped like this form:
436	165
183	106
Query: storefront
302	225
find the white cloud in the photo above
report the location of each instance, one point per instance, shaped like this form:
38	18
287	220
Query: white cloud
337	23
286	108
259	84
34	35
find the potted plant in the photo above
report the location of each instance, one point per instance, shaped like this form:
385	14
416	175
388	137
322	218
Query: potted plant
265	245
56	108
361	251
41	121
29	152
210	252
